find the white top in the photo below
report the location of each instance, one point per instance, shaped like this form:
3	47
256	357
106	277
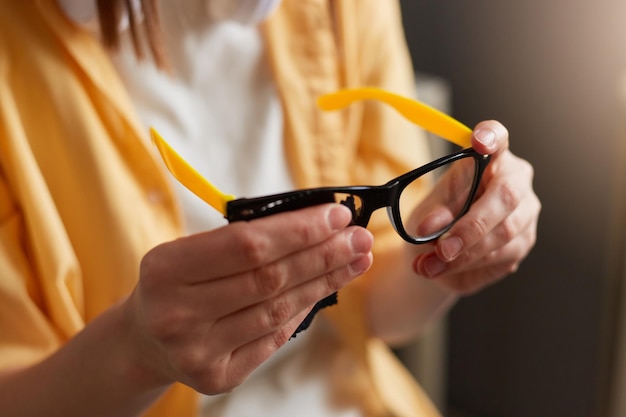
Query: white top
219	109
221	112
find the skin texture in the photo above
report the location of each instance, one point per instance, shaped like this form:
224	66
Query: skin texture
211	340
485	245
210	308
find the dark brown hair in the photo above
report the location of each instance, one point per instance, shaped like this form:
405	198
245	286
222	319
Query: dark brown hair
109	15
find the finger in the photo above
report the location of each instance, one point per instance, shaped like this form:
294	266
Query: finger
265	318
503	195
267	281
445	200
242	246
497	264
512	251
465	278
230	371
490	137
520	222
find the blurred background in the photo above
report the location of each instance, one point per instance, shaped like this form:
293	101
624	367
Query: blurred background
546	341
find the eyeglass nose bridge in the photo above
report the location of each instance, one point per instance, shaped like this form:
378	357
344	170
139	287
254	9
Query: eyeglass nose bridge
372	199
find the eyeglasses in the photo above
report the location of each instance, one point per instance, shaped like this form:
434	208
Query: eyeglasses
455	178
460	171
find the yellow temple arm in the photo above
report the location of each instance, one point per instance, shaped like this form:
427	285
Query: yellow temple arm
430	119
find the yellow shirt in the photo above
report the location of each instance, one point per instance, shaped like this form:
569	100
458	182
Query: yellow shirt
82	197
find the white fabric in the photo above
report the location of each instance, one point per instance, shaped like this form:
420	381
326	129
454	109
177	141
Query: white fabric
247	12
80	11
221	112
85	13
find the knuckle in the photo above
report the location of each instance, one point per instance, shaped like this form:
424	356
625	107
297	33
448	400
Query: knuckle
509	229
528	168
513	267
277	313
466	257
255	247
334	280
215	379
538	205
280	337
499	271
477	226
505	261
192	362
304	230
269	279
166	326
509	195
153	265
329	256
526	242
490	257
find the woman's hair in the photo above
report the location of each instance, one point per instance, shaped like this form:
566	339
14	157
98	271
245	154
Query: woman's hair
109	15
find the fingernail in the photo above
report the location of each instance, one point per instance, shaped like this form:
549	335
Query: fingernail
451	248
485	136
360	265
338	217
361	240
434	266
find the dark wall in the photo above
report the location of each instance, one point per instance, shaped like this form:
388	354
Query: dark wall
536	344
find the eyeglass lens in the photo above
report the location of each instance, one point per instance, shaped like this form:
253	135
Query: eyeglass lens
436	211
421	213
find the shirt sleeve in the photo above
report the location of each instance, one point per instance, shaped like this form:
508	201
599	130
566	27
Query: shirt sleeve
26	334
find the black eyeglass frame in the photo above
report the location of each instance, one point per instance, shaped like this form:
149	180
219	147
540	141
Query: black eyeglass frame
372	197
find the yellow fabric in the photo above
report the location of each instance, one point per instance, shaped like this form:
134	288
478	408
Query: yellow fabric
318	46
82	196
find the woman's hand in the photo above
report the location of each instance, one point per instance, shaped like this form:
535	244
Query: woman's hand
211	307
498	231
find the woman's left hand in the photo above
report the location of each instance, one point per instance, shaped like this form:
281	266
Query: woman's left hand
498	231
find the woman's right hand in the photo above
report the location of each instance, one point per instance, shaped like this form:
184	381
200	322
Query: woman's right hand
210	308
